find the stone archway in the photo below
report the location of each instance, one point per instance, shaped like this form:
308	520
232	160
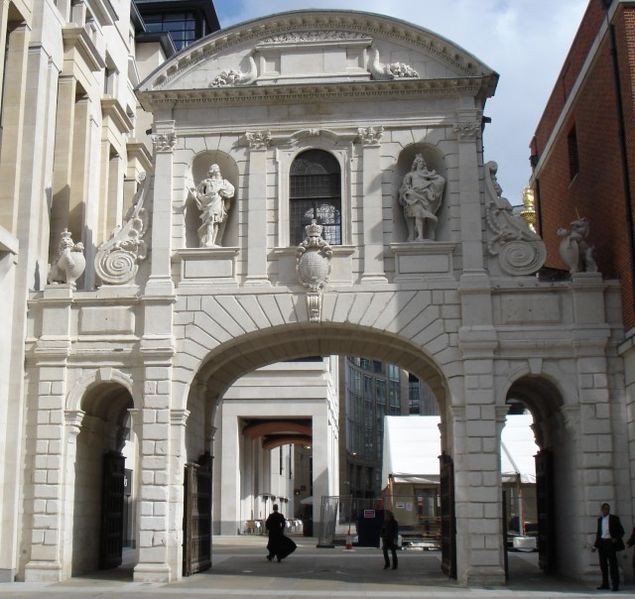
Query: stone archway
96	511
280	344
556	486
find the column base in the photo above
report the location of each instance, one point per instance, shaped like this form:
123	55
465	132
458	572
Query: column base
257	281
152	573
41	571
484	577
7	575
374	279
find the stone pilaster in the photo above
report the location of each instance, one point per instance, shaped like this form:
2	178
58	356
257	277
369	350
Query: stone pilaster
373	264
477	486
73	424
468	132
259	142
63	161
13	113
230	474
164	141
178	456
46	420
153	424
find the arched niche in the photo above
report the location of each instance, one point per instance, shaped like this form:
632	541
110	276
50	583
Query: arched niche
229	171
435	161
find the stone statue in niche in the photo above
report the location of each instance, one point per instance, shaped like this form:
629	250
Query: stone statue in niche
69	262
212	197
574	249
420	194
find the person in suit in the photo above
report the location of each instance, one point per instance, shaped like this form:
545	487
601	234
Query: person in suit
630	543
608	541
389	538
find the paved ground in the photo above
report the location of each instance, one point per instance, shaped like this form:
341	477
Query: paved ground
240	571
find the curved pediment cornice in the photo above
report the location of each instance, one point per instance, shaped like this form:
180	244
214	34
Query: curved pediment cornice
291	94
312	27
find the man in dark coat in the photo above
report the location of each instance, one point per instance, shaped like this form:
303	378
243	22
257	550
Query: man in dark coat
278	546
608	541
389	539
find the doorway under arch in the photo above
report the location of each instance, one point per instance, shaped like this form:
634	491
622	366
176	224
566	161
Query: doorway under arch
103	501
556	485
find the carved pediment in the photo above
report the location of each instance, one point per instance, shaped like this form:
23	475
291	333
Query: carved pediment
316	47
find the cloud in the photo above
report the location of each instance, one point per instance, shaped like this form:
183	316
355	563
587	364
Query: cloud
525	41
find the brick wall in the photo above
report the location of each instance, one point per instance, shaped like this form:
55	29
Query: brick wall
598	190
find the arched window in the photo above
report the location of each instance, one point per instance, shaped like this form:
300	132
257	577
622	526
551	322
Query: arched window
315	193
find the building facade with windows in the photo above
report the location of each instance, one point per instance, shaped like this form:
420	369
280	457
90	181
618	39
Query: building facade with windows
583	157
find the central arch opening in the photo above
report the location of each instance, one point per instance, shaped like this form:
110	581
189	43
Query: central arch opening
271	410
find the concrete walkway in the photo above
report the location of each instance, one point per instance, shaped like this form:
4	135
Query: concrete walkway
240	571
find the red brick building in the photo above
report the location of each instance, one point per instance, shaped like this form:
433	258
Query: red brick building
583	151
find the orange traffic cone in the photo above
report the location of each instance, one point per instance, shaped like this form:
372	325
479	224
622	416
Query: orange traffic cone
349	543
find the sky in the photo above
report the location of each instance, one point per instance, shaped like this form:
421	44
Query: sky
524	41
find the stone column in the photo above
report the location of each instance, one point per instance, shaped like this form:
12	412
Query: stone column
259	142
13	113
153	424
320	451
178	455
372	213
230	474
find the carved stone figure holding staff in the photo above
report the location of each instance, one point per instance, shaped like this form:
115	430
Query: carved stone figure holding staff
212	197
420	195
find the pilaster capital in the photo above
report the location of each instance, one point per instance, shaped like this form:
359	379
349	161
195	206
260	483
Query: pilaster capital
258	140
179	417
370	136
73	420
501	414
467	131
164	142
571	417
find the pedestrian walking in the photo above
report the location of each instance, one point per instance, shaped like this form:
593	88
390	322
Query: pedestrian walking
608	541
389	539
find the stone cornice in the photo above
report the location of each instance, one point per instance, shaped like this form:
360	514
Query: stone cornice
330	20
112	108
138	150
78	38
299	93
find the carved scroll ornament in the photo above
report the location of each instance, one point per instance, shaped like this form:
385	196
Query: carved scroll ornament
520	251
117	259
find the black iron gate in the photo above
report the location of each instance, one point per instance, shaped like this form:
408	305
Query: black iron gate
111	538
197	516
546	520
448	520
